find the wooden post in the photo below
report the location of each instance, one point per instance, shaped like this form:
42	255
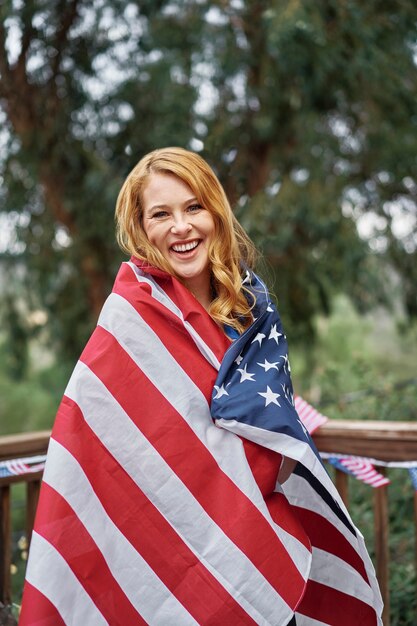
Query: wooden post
32	497
415	530
5	545
382	545
342	486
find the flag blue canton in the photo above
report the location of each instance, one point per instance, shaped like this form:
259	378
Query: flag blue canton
254	383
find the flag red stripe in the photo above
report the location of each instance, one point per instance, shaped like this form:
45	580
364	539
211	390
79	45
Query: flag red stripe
37	610
264	464
335	607
231	509
325	536
282	512
79	550
151	535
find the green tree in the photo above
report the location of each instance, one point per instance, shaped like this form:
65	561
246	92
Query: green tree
17	336
306	110
85	90
314	127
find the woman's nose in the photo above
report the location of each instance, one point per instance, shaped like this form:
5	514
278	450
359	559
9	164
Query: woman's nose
181	225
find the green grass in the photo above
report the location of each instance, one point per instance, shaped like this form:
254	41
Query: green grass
359	367
31	404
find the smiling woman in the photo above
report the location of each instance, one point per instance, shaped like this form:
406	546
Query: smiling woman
182	230
181	486
173	198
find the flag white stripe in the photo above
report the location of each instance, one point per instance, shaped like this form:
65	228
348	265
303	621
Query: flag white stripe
332	571
159	366
174	501
64	474
46	570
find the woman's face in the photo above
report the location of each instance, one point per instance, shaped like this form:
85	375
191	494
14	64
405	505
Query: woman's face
180	228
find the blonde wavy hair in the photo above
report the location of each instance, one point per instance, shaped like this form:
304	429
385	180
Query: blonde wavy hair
231	249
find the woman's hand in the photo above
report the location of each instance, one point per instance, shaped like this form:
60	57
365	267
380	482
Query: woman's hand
285	471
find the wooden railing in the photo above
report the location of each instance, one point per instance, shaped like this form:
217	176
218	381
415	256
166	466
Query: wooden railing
385	441
14	447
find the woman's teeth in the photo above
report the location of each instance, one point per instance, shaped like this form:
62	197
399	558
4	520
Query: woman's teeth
185	247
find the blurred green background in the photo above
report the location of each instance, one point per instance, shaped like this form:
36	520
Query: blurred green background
306	110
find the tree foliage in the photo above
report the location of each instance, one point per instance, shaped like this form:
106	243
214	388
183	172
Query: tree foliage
306	110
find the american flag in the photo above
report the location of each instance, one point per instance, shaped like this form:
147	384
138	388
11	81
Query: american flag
151	512
310	417
360	468
27	465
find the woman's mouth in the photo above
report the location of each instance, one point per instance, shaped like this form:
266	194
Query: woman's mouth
183	248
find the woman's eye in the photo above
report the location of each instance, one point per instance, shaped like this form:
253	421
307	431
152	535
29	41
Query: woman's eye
194	207
159	214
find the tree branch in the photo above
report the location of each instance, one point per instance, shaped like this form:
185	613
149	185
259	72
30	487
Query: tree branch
61	38
28	34
54	190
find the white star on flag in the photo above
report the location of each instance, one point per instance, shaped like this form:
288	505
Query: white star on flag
268	366
286	363
288	394
270	396
244	375
274	334
304	429
247	278
269	308
259	337
221	391
239	359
